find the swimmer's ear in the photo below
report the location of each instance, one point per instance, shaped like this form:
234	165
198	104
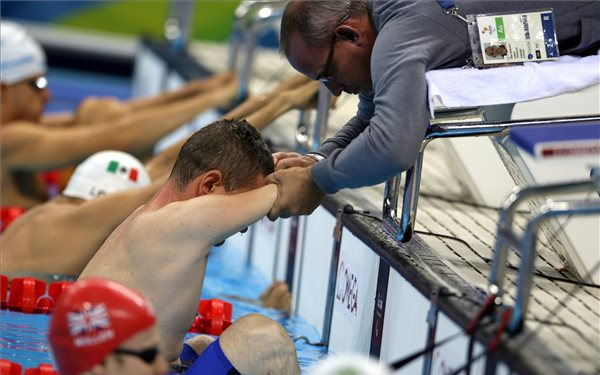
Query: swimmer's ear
210	182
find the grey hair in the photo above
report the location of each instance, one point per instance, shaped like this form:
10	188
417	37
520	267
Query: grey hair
315	20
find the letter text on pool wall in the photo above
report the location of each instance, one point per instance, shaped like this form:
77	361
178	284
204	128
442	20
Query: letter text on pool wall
347	289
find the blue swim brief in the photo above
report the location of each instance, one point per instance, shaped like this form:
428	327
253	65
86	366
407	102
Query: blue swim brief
212	361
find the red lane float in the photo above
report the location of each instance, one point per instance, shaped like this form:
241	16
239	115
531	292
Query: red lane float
9	368
8	214
43	369
213	317
3	291
24	294
28	295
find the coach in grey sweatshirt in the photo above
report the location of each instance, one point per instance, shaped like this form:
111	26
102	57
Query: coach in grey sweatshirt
381	51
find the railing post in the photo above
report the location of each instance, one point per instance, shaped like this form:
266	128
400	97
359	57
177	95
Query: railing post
178	25
432	319
260	13
323	105
302	146
333	268
404	228
506	237
528	250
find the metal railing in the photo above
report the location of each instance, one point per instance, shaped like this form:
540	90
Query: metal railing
401	223
526	244
178	24
304	141
250	19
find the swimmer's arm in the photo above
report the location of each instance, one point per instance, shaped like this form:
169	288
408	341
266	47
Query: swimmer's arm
260	118
163	162
233	213
36	148
58	119
256	103
210	219
110	210
300	98
160	99
194	87
94	220
267	114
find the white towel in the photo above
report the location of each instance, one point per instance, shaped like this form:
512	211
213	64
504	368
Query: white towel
466	88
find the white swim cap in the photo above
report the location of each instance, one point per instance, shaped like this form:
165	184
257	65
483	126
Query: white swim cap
22	56
349	364
106	172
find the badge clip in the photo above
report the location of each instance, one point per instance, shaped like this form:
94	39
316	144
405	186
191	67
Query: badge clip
453	11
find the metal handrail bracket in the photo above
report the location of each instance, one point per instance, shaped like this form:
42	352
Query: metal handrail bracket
241	14
506	237
250	18
548	211
403	228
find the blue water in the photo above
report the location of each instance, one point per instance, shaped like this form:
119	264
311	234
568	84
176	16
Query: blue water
227	274
23	336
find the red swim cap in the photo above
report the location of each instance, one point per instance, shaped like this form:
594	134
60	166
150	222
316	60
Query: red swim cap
91	319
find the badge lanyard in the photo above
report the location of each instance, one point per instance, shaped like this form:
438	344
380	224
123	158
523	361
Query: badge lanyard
499	39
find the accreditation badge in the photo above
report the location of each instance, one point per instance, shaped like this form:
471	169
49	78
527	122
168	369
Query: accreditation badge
512	38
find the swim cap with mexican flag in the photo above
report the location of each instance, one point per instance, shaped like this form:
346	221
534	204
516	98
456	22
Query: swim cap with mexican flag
104	173
91	319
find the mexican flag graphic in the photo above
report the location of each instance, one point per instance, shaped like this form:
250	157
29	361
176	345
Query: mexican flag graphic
117	168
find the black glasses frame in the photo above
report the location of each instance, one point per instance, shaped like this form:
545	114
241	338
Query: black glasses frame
147	355
326	76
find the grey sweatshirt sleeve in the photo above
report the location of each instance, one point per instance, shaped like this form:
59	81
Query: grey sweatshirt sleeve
343	137
351	129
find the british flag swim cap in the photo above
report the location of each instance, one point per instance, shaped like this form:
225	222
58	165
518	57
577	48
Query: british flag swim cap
91	319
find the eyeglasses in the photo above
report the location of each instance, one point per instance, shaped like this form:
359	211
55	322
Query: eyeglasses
146	355
40	83
326	76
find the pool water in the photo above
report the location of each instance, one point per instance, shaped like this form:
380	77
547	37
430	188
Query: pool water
228	274
23	336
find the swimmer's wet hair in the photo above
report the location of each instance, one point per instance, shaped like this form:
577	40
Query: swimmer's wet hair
235	148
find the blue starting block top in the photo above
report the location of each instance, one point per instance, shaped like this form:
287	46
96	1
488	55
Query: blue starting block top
555	141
